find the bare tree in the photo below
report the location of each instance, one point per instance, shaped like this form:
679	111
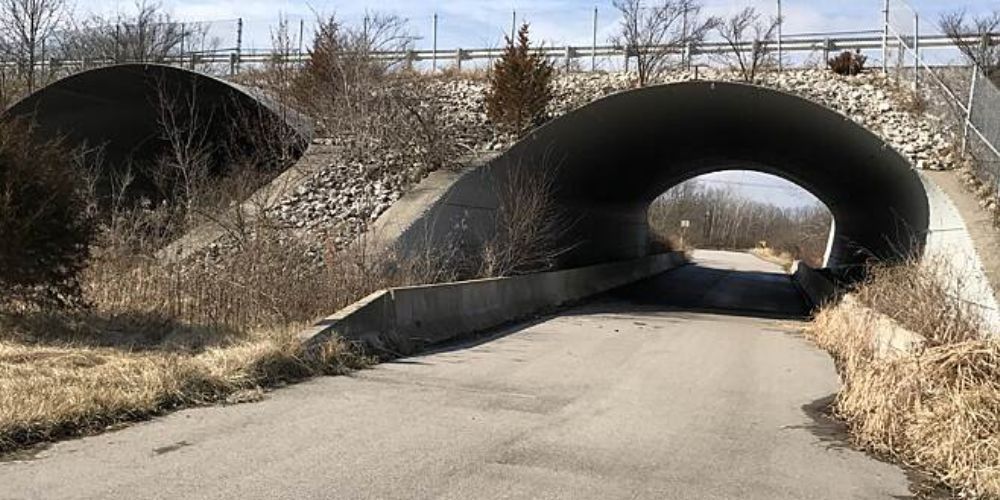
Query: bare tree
651	34
750	39
25	27
977	38
147	35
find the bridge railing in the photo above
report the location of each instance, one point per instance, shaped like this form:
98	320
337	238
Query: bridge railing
232	59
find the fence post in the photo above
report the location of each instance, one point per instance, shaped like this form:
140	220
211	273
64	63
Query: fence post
968	110
434	51
239	45
302	34
593	46
118	37
781	21
916	50
885	38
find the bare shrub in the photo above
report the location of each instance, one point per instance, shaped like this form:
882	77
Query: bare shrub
529	227
751	42
652	33
44	220
848	63
520	86
186	163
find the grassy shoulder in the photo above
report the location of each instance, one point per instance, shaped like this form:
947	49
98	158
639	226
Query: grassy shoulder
62	376
934	405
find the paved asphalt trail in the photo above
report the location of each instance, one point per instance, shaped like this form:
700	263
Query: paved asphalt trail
630	396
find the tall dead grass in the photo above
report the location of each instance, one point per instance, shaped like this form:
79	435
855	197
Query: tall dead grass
54	389
935	406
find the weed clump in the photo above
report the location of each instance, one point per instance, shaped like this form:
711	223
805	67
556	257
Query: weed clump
848	63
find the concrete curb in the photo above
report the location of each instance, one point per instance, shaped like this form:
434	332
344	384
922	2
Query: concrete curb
404	320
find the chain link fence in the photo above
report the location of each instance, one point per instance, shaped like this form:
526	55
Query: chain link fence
981	134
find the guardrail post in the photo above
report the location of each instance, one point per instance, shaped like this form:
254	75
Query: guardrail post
459	55
568	55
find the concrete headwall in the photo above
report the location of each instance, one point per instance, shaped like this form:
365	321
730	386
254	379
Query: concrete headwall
402	320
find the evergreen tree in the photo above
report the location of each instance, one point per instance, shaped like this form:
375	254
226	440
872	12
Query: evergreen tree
520	86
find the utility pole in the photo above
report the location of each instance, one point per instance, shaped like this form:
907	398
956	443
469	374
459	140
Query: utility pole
513	25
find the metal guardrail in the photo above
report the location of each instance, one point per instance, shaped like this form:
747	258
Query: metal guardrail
807	42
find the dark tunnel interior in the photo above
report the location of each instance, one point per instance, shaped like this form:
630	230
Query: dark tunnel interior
121	110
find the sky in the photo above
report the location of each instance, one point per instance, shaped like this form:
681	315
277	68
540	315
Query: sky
482	23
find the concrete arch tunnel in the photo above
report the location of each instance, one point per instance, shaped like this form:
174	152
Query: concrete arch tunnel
118	108
613	157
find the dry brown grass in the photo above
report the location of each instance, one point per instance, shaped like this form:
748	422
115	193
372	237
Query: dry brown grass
936	407
50	390
781	258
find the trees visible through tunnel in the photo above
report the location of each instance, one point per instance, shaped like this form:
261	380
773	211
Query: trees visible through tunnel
740	210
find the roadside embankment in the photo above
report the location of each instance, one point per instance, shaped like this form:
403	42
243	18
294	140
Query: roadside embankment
921	378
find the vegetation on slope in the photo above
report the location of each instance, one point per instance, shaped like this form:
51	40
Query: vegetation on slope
935	407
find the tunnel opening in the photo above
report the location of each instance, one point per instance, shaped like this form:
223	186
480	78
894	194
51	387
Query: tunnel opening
742	211
157	127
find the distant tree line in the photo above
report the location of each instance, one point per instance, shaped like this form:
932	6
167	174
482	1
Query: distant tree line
720	218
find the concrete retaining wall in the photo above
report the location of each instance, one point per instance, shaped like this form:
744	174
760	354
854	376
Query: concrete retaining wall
403	320
814	285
